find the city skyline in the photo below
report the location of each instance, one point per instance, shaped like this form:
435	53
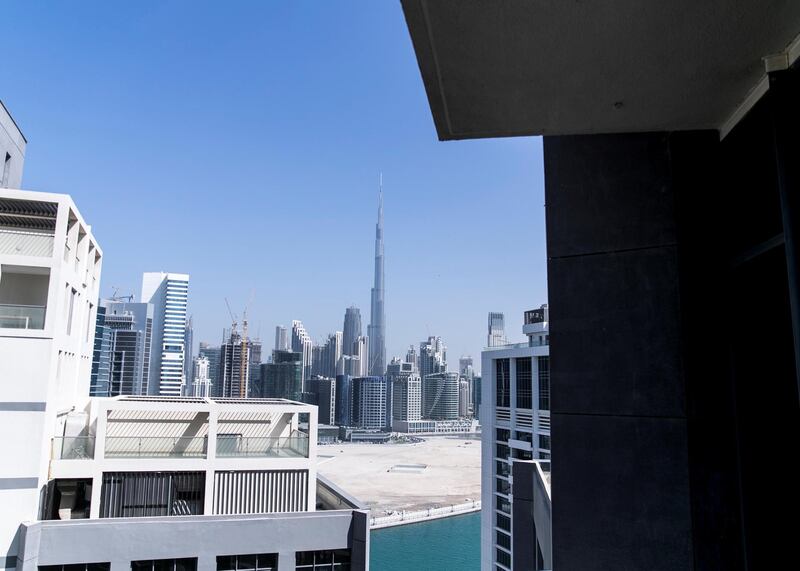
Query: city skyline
297	193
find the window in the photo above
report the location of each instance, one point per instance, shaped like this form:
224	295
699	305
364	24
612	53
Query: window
544	383
501	451
503	540
503	558
258	562
6	171
77	567
544	441
338	560
72	297
89	321
186	564
503	382
503	486
503	522
524	436
504	505
503	468
524	395
523	454
502	434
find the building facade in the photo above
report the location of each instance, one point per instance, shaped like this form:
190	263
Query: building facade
201	385
12	150
432	356
301	343
496	329
130	328
169	295
515	428
283	377
369	396
281	338
351	330
440	394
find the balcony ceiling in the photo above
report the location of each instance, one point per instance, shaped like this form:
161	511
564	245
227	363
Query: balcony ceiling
545	67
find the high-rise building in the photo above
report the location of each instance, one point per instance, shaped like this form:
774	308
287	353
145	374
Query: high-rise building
406	389
324	390
440	396
464	398
361	349
352	329
328	356
465	367
201	385
377	322
476	396
301	343
432	357
188	357
516	429
412	357
283	377
169	294
235	366
101	358
131	329
281	338
369	402
254	348
344	400
213	354
497	329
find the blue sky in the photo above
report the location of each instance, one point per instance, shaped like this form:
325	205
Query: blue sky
241	142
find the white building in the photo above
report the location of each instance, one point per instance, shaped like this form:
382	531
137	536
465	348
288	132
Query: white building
169	294
49	272
515	423
301	343
201	386
369	402
12	150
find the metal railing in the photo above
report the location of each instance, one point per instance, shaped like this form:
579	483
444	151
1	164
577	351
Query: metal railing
73	448
14	316
155	447
294	446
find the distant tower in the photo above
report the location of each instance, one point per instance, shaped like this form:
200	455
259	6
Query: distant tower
169	294
352	329
497	330
281	339
377	326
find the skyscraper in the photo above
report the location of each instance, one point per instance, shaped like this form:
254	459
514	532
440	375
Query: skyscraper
352	328
235	366
377	324
440	392
101	359
496	335
130	345
169	294
213	355
188	356
327	356
301	343
369	402
283	377
466	367
432	357
281	339
201	384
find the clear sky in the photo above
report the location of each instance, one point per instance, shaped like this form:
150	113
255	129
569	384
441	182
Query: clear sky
241	142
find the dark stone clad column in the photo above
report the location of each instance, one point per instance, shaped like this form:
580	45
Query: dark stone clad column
630	283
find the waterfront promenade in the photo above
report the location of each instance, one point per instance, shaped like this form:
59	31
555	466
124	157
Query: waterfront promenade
404	517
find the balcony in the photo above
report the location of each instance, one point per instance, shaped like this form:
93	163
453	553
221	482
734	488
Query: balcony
155	447
14	316
73	448
294	446
26	243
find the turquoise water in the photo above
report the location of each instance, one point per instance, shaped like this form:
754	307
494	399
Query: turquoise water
451	543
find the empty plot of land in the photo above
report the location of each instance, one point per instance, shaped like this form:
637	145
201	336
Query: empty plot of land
441	471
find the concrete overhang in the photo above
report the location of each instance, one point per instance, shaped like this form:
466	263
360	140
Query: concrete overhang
496	68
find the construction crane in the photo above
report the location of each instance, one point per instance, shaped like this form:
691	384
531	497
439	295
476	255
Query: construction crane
116	297
244	353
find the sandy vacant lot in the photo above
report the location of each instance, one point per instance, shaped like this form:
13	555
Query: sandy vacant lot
452	475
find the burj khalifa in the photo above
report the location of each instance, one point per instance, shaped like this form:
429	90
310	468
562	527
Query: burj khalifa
377	322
